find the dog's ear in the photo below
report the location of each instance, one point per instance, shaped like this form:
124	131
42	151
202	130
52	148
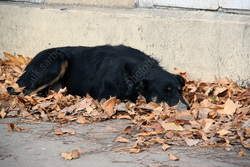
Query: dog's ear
181	80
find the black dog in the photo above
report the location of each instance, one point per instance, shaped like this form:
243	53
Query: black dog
102	71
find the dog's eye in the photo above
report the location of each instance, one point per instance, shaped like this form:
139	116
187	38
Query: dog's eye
179	88
169	88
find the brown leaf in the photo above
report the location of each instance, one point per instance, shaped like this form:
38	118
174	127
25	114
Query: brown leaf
135	150
206	103
184	115
122	107
206	123
67	156
204	137
191	142
82	120
165	147
157	140
224	81
121	139
43	105
17	69
3	113
28	60
21	59
84	104
242	153
172	126
220	91
12	114
223	132
173	157
58	132
230	107
169	134
109	105
12	58
43	114
75	154
140	100
157	126
154	106
80	151
10	126
17	128
26	114
127	130
126	116
203	113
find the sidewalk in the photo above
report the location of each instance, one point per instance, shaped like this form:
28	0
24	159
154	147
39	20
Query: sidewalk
38	146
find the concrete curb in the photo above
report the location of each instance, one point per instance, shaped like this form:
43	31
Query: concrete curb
203	43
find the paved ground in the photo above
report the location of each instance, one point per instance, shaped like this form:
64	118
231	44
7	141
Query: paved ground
38	146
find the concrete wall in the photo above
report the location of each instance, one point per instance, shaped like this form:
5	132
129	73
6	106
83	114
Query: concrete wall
203	43
113	3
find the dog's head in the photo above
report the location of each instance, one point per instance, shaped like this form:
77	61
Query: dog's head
159	88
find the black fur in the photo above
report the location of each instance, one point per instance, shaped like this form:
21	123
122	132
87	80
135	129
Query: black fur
103	71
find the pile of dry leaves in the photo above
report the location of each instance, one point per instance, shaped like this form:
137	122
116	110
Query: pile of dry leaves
219	114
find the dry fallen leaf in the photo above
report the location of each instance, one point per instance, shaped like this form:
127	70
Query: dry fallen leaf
135	150
184	115
127	130
191	142
230	107
165	147
206	123
21	59
157	140
121	139
58	132
172	126
10	126
124	117
80	151
13	59
82	120
67	156
3	113
157	126
109	105
242	153
17	128
84	104
220	90
43	115
223	132
173	157
75	154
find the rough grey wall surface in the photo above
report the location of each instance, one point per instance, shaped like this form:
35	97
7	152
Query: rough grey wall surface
205	44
